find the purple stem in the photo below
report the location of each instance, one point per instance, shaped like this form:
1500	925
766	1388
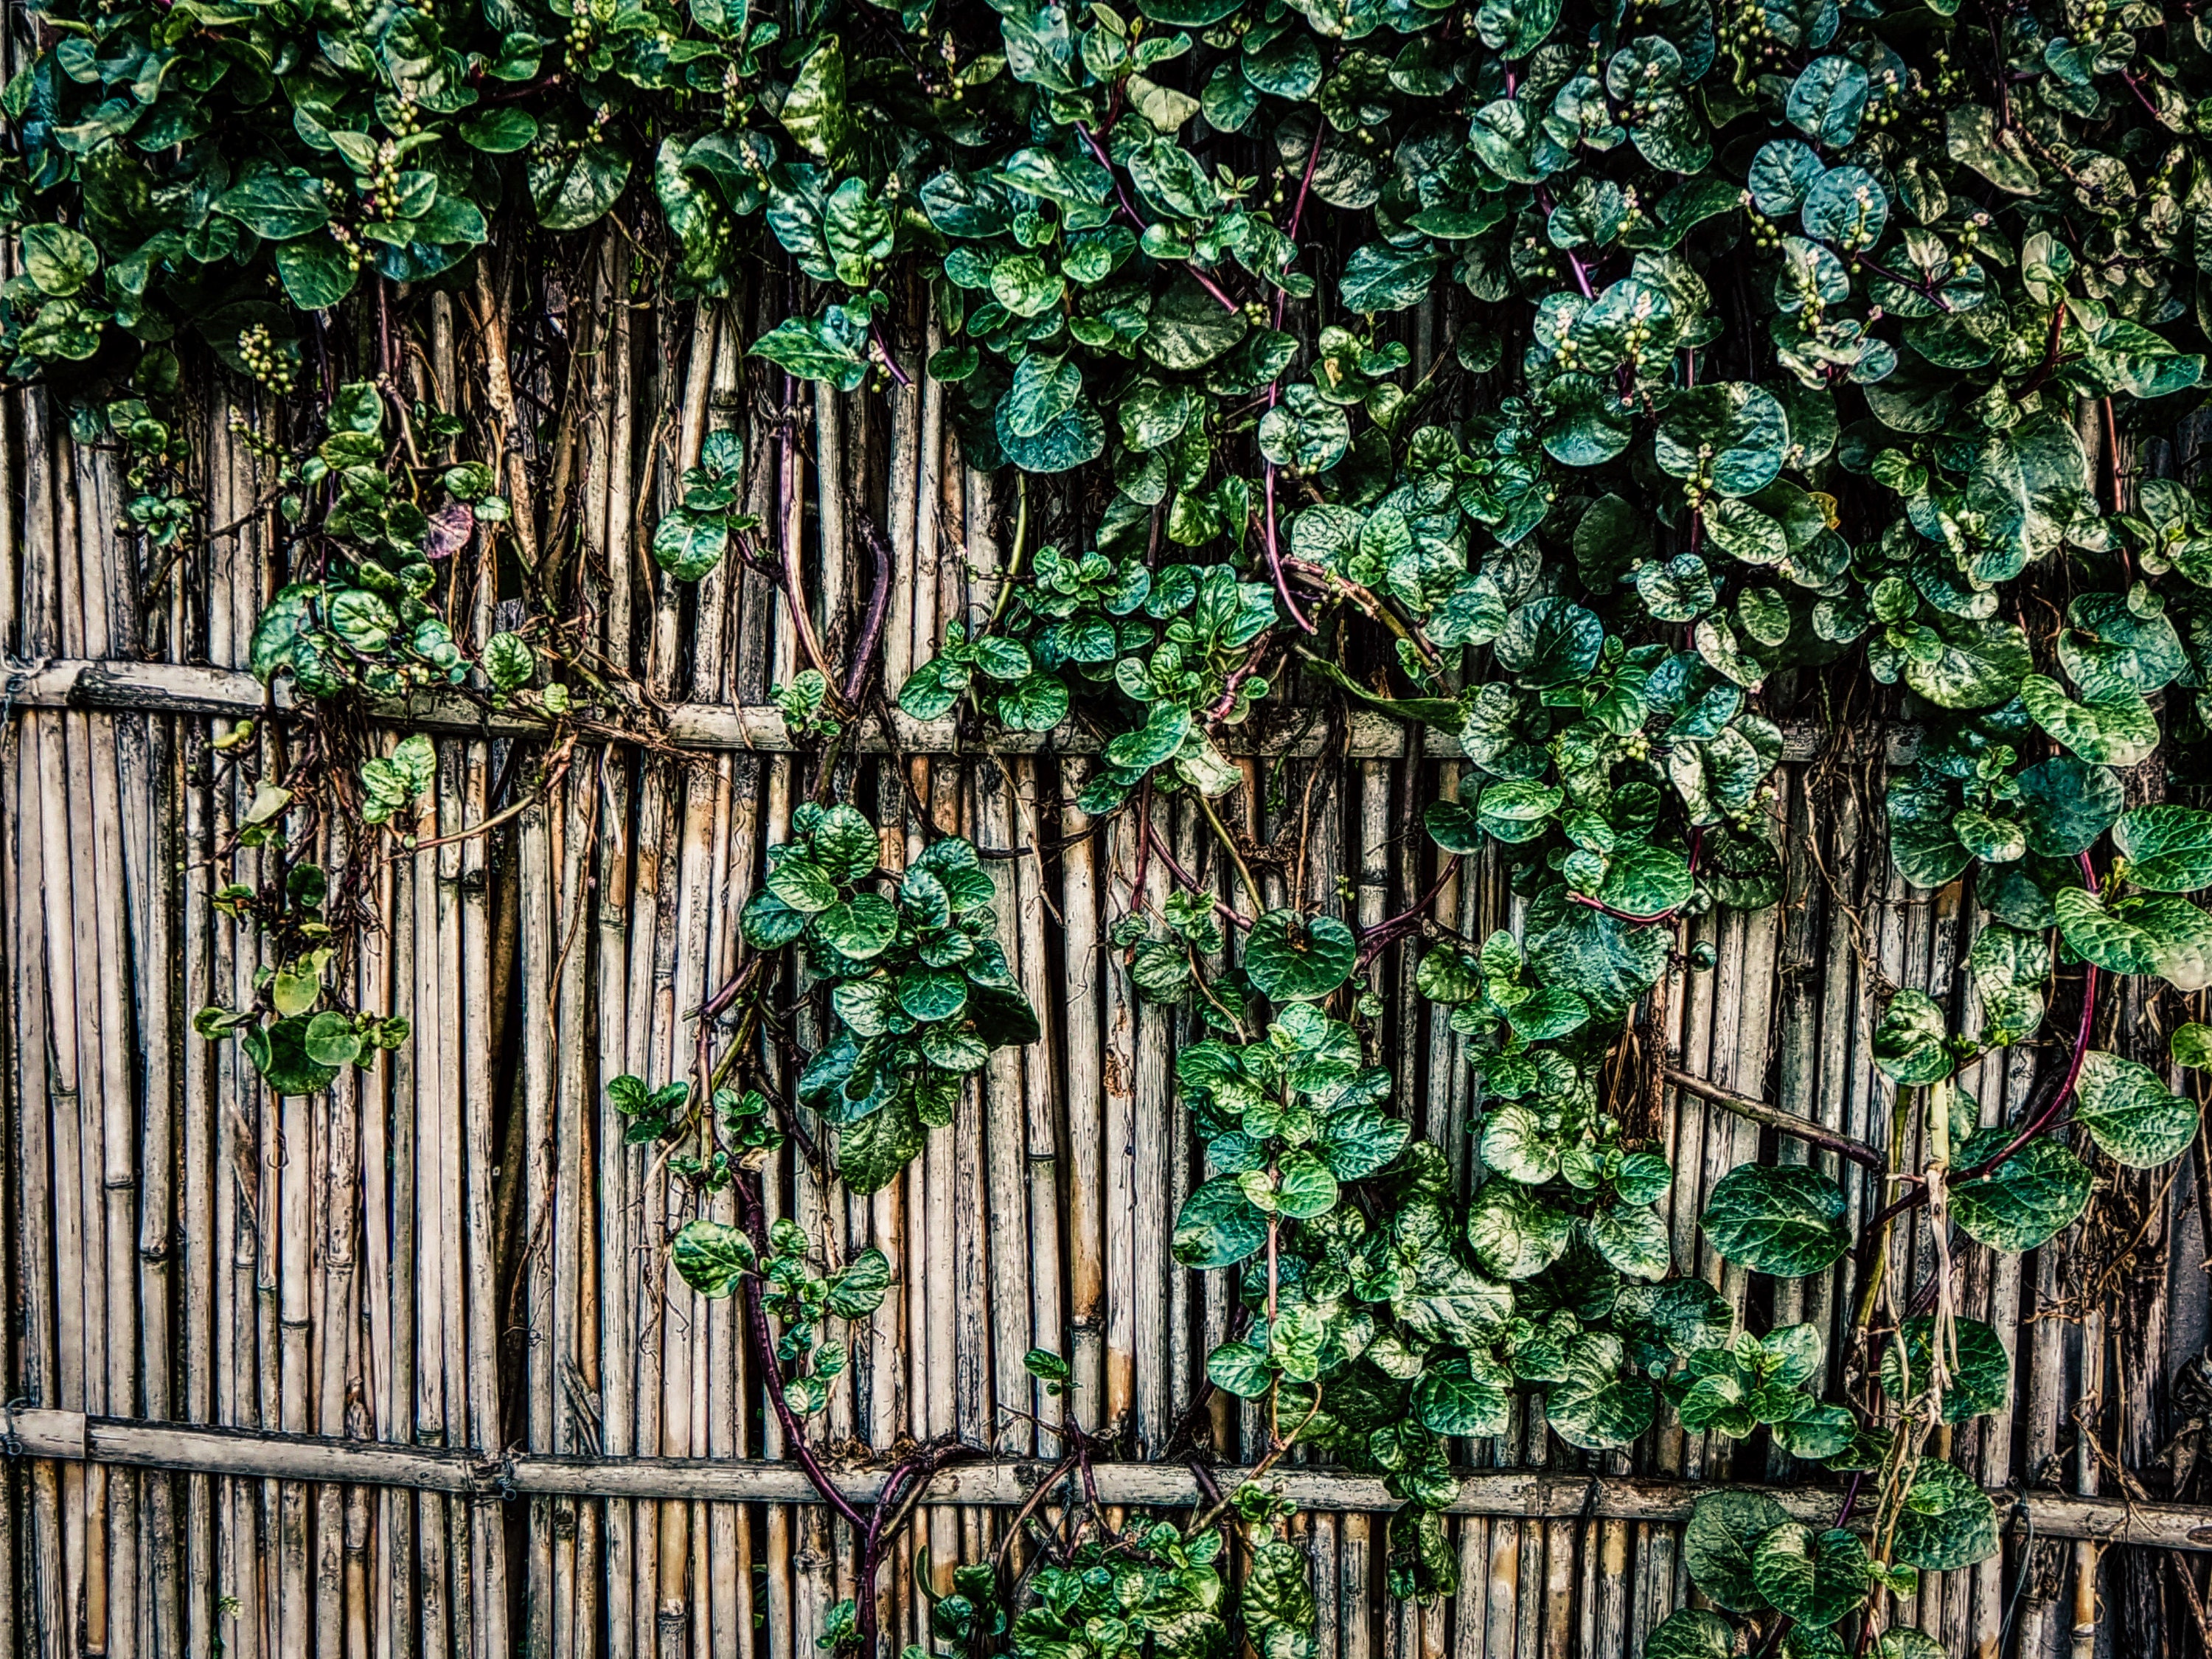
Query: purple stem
1697	846
1274	552
2042	1120
1388	932
1229	911
1138	219
1227	701
1582	272
794	1434
872	631
884	346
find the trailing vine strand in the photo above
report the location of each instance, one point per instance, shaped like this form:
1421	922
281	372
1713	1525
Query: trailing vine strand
1581	386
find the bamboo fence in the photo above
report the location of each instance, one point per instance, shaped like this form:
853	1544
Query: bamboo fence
402	1371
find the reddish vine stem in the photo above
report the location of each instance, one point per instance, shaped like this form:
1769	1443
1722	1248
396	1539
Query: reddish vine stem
786	494
1227	699
1274	549
1229	911
1098	151
1544	201
883	350
1927	291
1388	932
871	631
2042	1120
1789	1124
771	1363
2136	86
1697	846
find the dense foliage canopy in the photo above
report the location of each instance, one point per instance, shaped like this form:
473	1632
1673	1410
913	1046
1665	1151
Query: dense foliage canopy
1763	344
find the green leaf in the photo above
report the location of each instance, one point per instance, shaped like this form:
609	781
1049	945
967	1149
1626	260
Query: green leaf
830	349
509	661
1786	1220
2066	804
1846	209
1597	1406
279	1052
1517	1144
1679	591
2169	848
1922	843
1979	1372
1826	101
1514	809
500	132
572	188
1734	431
1947	1522
1305	433
1691	1633
316	272
1304	1188
712	1259
872	1152
1585	423
1634	1237
859	1291
767	923
1218	1226
59	260
1549	642
332	1039
2192	1046
1515	1234
2169	937
688	545
803	885
1968	664
846	844
1606	962
815	112
929	994
1723	1530
1643	880
1464	1395
1814	1577
1190	328
1240	1369
1037	702
2135	1117
278	205
861	927
1299	959
1909	1044
2032	1195
1971	136
2116	730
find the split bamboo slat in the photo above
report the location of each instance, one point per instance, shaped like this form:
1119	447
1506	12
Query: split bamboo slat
403	1371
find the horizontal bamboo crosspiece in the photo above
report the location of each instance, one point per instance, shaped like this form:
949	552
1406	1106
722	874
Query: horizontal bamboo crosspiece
182	688
1528	1495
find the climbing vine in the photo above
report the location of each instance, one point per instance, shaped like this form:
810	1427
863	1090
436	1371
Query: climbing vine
1785	345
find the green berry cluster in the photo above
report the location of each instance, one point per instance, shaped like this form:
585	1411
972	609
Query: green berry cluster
1766	235
1745	37
267	362
1753	810
581	31
1644	103
349	244
381	186
2094	25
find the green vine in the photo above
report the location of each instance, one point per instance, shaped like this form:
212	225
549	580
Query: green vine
1786	345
